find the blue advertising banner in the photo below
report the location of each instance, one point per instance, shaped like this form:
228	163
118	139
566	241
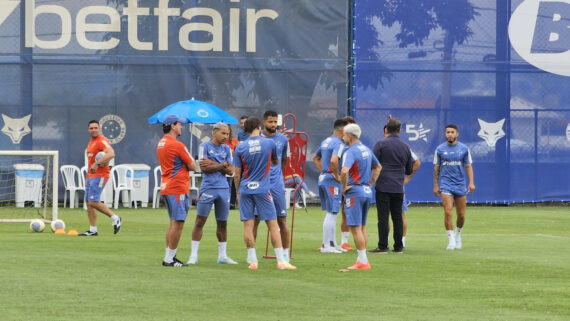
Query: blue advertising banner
505	85
65	62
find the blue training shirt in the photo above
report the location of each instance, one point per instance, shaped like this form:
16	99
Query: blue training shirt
360	160
254	156
329	147
452	160
218	154
283	152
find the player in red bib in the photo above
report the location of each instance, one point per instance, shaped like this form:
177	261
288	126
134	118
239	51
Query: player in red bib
97	177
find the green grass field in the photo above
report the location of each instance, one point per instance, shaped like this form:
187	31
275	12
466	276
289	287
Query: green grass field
514	265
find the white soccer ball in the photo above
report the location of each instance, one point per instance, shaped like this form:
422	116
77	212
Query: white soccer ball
37	225
57	225
99	156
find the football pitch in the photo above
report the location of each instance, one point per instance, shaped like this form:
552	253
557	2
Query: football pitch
514	265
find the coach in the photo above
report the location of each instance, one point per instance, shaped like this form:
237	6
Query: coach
395	158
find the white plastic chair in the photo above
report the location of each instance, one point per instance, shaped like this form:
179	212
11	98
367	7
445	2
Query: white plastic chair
73	184
83	183
289	191
156	190
194	176
123	177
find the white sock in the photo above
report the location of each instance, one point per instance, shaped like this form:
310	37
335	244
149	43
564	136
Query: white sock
326	242
450	236
458	231
195	247
93	229
330	222
333	231
251	255
285	255
279	254
404	241
169	255
222	250
362	258
344	237
114	218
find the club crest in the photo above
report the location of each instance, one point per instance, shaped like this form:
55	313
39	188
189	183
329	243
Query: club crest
491	132
16	128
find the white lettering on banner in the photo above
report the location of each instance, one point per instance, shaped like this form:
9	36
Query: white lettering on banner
419	133
132	11
539	32
82	27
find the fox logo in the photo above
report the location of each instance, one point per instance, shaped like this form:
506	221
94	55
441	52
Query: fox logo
16	128
491	132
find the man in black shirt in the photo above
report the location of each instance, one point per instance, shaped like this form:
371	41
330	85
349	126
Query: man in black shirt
395	158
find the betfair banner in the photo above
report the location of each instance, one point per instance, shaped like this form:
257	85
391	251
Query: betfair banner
65	62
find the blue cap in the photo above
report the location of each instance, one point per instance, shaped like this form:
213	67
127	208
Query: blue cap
171	119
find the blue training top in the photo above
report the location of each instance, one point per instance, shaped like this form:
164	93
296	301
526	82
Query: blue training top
452	160
360	160
218	154
282	145
329	147
254	156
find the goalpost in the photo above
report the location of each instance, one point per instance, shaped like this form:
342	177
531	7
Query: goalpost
28	185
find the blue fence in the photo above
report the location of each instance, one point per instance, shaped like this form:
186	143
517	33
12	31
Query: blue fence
431	63
63	63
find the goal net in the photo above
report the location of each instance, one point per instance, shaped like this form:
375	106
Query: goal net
28	185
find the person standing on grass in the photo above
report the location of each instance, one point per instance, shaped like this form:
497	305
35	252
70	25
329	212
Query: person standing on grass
215	159
344	229
364	169
97	177
395	157
326	160
176	164
277	188
415	166
232	142
452	165
256	155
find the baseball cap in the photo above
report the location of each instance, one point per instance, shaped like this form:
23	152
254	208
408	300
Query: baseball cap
171	119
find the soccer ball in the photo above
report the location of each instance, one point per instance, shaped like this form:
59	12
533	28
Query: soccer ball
57	225
37	225
99	156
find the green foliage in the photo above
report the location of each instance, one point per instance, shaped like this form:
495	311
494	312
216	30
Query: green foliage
514	266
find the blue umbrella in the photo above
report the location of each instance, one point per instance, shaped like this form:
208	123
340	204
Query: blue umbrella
194	111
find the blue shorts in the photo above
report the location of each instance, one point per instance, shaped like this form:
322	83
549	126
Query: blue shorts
330	196
278	196
356	209
93	188
177	206
405	204
218	196
263	203
453	192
